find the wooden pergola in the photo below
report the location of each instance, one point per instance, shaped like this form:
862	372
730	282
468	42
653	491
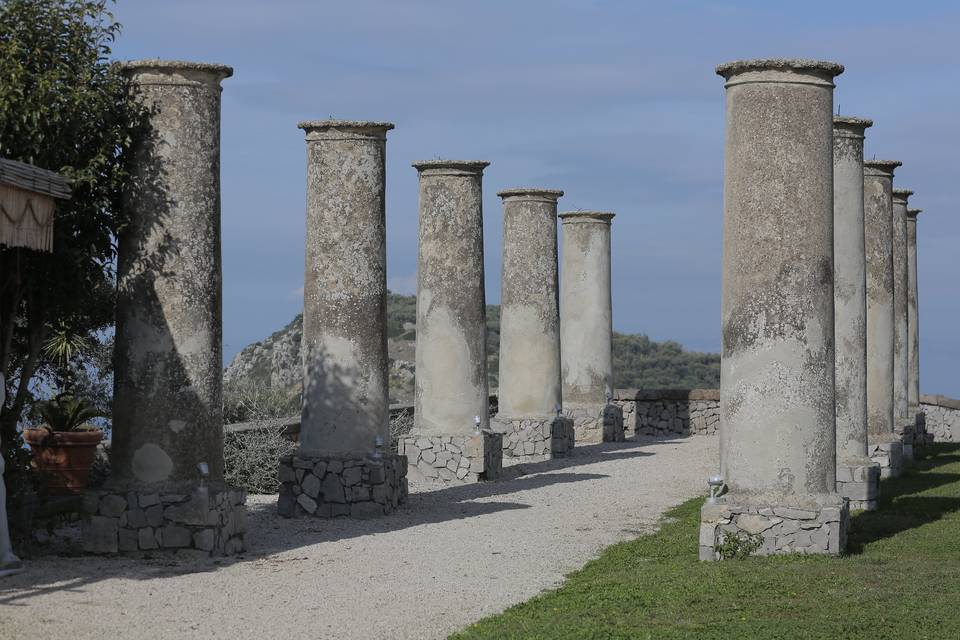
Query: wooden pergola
27	203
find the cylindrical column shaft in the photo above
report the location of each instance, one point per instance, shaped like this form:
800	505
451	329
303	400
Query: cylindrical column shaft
529	305
913	315
586	309
878	234
849	293
345	389
167	406
777	371
900	306
451	367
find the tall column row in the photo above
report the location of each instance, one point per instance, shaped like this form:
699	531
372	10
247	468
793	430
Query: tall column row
343	465
166	489
858	477
777	399
529	396
885	446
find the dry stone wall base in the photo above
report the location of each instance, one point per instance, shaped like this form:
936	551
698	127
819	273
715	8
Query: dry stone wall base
596	425
453	459
860	485
889	455
534	439
942	418
208	520
774	526
663	418
330	485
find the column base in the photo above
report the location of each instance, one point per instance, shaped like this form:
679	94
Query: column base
738	526
453	459
889	455
184	517
535	439
859	482
593	425
351	484
906	430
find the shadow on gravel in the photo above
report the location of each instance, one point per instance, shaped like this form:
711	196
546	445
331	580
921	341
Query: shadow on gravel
268	534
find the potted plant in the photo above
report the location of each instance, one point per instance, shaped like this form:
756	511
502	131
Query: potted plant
65	445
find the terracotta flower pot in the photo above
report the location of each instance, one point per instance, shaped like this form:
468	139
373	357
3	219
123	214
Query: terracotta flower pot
66	456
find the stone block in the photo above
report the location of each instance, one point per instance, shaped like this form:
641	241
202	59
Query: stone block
128	540
112	505
100	534
311	485
203	540
147	539
174	537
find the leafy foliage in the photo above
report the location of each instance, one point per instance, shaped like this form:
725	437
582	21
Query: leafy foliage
63	107
641	363
66	412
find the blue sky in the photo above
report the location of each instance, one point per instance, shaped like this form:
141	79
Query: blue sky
614	102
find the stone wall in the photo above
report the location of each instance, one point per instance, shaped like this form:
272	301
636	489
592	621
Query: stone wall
942	417
669	412
681	412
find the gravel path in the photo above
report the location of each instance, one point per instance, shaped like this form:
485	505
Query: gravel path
450	557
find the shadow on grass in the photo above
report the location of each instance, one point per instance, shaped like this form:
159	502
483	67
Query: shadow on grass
902	503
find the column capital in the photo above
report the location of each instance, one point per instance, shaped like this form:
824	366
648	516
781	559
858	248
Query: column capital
569	217
785	70
153	71
850	127
530	193
450	167
882	168
900	196
913	213
345	129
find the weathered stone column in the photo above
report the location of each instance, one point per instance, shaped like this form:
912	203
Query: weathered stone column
167	402
777	405
885	446
586	325
858	477
451	441
343	465
529	392
919	418
903	422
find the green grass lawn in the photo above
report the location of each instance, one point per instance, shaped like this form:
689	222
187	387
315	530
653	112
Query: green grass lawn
899	579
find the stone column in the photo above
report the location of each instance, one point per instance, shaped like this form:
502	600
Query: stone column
586	326
921	437
167	450
902	420
858	477
451	441
343	458
777	405
885	446
529	391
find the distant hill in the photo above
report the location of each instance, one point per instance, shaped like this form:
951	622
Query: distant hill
274	363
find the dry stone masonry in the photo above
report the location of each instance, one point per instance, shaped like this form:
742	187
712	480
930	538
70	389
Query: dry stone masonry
586	325
858	477
167	450
341	485
669	412
885	446
942	417
451	395
456	459
342	466
777	408
530	398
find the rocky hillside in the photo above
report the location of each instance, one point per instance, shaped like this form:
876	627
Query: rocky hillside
274	363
